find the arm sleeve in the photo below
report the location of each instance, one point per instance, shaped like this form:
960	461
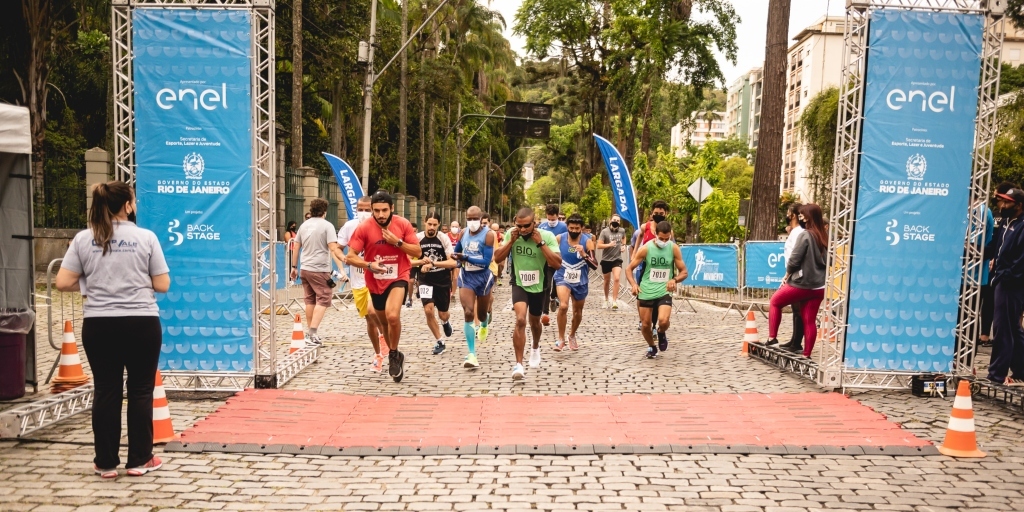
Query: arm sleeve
71	260
485	258
796	259
157	262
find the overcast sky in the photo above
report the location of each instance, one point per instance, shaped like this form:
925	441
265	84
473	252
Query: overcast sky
750	32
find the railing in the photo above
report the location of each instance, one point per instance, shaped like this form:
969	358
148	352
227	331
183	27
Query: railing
328	189
293	201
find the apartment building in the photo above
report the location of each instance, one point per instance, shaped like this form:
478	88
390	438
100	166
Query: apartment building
743	107
701	128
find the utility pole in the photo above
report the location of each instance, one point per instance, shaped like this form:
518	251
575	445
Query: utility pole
368	98
403	107
296	84
458	159
764	198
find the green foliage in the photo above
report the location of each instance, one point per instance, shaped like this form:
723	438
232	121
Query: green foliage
785	200
1008	154
596	203
738	176
568	208
719	218
818	135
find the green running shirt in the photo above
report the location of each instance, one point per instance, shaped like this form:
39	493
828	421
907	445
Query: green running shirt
659	268
528	261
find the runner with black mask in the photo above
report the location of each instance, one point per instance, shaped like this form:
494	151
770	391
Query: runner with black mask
435	278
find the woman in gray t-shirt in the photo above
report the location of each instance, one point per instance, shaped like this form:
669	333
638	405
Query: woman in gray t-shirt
119	267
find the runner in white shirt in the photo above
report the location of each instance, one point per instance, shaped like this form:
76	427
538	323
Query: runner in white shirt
360	294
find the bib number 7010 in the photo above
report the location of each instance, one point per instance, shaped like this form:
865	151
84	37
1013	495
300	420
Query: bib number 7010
658	275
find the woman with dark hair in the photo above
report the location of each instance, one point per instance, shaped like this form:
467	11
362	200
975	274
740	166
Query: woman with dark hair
289	233
119	267
804	284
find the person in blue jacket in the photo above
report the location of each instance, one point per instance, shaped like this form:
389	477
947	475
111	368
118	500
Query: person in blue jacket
1008	280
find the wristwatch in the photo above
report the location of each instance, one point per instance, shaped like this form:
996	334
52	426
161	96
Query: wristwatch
542	243
399	243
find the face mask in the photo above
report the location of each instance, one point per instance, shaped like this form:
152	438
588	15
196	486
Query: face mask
1006	213
575	235
660	244
615	225
803	223
658	218
386	222
473	225
131	216
553	223
363	215
455	231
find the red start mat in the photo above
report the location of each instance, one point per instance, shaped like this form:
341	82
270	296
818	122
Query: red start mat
307	419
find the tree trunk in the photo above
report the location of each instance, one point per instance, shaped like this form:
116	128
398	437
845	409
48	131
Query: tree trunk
421	164
645	133
296	84
768	167
337	121
38	16
431	156
630	142
403	106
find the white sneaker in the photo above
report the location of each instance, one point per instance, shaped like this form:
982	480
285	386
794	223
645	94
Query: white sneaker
615	305
535	358
518	373
604	304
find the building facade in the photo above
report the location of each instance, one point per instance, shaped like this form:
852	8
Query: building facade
702	127
737	108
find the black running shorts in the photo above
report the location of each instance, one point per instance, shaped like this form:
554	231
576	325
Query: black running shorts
381	301
534	301
665	300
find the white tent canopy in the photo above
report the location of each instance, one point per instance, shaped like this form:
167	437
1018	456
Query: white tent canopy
15	130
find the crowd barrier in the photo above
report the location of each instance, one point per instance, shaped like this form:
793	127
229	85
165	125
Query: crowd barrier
737	280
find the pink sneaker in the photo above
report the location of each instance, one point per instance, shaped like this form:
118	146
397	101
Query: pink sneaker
573	344
105	473
384	349
154	464
378	363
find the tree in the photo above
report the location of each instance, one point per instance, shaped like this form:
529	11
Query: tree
403	105
1015	11
738	176
818	135
1008	153
719	218
768	167
296	141
596	202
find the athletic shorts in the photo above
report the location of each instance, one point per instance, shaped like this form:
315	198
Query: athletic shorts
534	301
607	266
480	281
381	301
440	296
665	300
361	296
315	289
578	291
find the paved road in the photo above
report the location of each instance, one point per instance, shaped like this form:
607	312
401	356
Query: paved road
52	471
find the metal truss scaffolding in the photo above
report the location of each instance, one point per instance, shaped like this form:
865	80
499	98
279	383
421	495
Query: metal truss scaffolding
267	371
23	420
833	373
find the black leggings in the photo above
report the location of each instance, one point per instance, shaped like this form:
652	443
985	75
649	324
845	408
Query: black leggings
114	344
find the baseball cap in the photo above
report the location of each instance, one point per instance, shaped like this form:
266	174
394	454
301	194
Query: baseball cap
1014	194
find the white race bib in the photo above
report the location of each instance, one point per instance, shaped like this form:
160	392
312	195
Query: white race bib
358	271
658	275
390	272
572	275
426	292
529	278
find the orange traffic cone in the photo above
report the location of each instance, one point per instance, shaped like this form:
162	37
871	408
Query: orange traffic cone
750	335
70	375
298	338
960	438
826	329
163	429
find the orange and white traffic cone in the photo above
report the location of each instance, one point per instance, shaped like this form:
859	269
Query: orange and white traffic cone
163	429
70	374
826	329
960	437
750	335
298	337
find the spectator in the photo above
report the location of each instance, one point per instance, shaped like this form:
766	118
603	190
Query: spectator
289	233
319	240
1008	280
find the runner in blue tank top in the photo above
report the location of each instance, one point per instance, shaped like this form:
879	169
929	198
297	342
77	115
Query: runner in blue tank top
572	278
475	251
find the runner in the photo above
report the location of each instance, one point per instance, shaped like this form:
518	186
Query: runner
498	266
454	233
475	252
556	226
645	233
388	242
435	278
532	251
572	279
663	270
611	243
356	276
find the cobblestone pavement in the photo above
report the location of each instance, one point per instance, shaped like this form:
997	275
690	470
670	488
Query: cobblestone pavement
52	470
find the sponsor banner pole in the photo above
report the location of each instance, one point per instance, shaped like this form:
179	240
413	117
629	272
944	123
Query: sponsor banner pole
920	104
348	182
621	181
193	150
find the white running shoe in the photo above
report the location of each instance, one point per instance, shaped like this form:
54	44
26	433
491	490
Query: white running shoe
604	304
615	305
535	358
518	373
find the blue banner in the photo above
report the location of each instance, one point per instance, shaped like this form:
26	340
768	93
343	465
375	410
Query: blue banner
920	101
764	265
711	265
280	267
193	154
621	180
348	182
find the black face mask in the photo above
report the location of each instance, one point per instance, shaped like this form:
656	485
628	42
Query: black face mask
658	218
131	216
575	235
803	224
615	225
385	223
1008	213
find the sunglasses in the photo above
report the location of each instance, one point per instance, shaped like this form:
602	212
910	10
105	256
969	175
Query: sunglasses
527	226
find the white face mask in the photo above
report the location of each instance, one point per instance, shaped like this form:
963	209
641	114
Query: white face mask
473	225
553	223
660	244
363	215
455	230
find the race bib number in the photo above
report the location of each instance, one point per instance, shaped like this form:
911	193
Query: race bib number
358	271
426	292
658	275
529	277
390	272
572	275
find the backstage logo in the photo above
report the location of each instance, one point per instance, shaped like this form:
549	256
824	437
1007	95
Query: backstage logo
192	232
909	233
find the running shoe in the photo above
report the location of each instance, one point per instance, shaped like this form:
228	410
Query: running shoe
573	344
384	348
378	363
555	304
395	360
518	372
315	340
471	362
604	303
105	473
535	358
447	329
1010	381
652	352
662	341
615	306
559	344
771	342
154	464
545	319
439	348
481	334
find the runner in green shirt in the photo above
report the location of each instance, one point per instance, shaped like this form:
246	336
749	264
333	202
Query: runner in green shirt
532	249
663	270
